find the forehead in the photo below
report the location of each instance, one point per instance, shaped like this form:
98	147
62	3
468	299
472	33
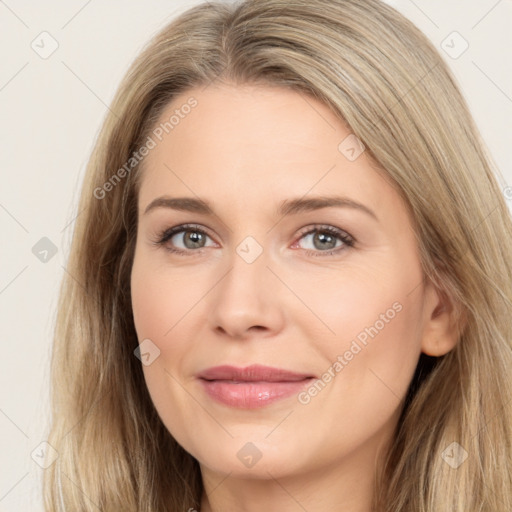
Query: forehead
250	145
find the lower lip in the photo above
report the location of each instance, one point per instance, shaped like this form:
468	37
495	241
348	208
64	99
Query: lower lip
252	395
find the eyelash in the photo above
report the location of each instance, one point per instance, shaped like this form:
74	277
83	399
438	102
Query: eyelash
167	234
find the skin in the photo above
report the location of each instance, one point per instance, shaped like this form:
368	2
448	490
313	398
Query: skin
245	149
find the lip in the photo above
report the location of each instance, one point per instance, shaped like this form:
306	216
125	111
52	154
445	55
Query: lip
253	386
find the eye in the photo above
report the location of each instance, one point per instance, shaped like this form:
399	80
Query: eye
190	236
326	240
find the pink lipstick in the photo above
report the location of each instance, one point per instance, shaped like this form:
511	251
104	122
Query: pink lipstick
253	386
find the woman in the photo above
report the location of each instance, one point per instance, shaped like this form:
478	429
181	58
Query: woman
211	352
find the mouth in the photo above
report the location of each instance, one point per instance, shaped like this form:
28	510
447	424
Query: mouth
251	387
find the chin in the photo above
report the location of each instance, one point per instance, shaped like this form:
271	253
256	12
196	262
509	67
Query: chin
259	459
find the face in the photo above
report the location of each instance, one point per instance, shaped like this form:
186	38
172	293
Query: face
304	261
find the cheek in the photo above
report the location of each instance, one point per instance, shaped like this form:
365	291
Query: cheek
160	299
363	303
162	305
152	307
157	307
375	341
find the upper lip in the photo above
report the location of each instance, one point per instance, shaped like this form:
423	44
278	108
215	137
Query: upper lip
252	373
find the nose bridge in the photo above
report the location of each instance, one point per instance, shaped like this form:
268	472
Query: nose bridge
250	250
248	275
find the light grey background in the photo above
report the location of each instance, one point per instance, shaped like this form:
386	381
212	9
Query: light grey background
51	111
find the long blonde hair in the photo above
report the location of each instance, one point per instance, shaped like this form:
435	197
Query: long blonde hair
385	80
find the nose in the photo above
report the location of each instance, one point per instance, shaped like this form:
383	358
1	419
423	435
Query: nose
247	302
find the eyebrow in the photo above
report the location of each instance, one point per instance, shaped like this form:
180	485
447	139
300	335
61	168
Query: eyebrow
286	207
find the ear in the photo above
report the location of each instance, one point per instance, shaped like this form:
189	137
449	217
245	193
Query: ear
441	329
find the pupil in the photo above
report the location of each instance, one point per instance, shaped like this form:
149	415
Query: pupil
323	237
194	237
